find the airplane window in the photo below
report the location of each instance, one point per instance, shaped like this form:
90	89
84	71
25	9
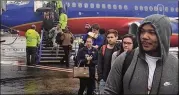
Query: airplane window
68	4
125	7
136	7
160	8
120	7
73	4
86	5
103	6
155	8
166	9
171	9
176	9
91	5
141	8
98	6
151	8
114	6
79	13
109	6
146	8
80	5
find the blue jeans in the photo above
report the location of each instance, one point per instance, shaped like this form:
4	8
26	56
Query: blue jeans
101	85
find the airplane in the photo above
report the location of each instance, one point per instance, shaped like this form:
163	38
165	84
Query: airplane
117	14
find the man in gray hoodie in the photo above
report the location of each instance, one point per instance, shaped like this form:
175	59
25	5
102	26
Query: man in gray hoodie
153	70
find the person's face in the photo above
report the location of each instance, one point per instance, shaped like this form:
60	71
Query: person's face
47	17
89	42
95	31
148	38
111	38
127	44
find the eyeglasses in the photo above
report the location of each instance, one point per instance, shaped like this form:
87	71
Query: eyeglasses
128	43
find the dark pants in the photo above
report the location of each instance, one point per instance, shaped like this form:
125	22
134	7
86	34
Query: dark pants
66	57
46	33
89	83
31	54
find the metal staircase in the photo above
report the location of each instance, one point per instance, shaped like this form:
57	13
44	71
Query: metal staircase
49	56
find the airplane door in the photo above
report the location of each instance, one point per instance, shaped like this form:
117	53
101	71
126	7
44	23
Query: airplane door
160	9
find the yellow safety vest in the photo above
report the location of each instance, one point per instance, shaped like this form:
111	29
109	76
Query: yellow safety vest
59	4
63	20
32	38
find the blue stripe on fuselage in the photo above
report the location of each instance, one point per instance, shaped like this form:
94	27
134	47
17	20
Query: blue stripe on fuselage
84	8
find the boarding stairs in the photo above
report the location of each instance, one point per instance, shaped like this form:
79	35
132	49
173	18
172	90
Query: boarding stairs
50	55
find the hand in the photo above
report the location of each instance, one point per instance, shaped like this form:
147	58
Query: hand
96	46
89	58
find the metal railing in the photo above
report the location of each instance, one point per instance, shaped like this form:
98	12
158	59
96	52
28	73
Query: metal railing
40	47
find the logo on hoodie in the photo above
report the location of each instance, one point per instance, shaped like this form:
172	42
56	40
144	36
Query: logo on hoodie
167	84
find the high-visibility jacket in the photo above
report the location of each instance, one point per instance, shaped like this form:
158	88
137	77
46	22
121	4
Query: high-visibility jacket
63	20
32	38
59	4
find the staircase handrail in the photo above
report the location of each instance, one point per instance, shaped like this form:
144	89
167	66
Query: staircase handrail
40	47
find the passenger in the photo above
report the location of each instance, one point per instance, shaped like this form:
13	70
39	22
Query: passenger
98	39
128	44
46	26
67	38
87	56
63	19
102	32
153	70
87	29
53	33
105	55
32	42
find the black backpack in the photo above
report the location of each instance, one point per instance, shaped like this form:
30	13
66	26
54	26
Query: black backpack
127	61
58	38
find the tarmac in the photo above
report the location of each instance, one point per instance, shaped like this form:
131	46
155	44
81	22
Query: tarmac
39	79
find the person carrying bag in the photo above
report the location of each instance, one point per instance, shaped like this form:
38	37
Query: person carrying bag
87	58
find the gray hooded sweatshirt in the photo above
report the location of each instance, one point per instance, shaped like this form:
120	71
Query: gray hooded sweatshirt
135	80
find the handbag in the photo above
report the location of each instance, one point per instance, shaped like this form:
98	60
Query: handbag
80	72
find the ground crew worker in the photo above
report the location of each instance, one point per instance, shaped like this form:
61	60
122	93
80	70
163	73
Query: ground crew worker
32	42
59	5
63	18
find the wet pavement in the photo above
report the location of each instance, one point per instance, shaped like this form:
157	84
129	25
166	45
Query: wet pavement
22	79
18	78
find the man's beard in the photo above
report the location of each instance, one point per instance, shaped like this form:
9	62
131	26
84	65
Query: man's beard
156	51
111	44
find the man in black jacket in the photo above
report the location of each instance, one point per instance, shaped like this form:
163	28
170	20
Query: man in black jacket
105	55
47	25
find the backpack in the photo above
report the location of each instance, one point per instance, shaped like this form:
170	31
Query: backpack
127	61
58	38
103	47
